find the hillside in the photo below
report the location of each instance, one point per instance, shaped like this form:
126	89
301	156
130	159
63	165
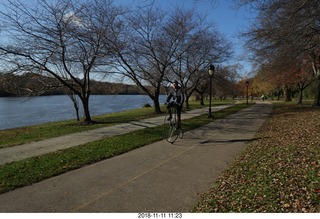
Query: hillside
33	85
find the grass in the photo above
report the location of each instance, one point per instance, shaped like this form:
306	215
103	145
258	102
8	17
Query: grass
279	172
11	137
35	169
17	136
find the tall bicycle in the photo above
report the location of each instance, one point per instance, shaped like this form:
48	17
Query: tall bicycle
171	127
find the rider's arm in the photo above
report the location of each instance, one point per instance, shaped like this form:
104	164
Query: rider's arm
178	97
169	97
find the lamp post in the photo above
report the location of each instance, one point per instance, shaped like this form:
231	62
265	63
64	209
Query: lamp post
211	72
247	83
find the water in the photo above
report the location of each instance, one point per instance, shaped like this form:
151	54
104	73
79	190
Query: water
22	111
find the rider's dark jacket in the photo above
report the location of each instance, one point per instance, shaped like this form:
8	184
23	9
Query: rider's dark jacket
176	94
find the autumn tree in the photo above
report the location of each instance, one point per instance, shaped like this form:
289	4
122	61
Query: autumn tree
286	32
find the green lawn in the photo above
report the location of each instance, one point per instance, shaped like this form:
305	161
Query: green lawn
23	135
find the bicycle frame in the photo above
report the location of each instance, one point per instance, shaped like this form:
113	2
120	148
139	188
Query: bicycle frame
170	125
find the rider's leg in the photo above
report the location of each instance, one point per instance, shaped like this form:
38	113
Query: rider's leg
169	110
179	108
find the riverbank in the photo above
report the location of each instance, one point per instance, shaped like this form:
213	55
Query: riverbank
26	111
17	136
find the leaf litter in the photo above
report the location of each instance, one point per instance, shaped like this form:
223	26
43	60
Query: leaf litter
277	172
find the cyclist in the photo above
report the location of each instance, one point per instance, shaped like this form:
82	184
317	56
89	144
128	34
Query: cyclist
176	95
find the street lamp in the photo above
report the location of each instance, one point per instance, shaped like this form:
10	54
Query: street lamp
211	72
247	83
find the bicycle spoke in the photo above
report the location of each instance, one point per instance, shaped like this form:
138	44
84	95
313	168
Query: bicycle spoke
170	126
181	134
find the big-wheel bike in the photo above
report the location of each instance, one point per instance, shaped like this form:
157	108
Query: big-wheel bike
172	130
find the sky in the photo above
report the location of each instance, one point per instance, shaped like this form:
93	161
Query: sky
229	21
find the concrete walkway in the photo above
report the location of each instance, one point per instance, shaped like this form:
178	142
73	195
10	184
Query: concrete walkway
39	148
159	177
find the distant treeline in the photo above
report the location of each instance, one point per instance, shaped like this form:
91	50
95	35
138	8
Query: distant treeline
31	84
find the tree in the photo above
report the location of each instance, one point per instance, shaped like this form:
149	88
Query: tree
202	85
157	47
150	43
145	50
286	30
210	47
202	46
226	78
67	40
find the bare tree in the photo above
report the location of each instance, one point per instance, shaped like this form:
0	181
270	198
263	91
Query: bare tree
158	47
213	48
150	43
66	40
202	45
202	85
227	78
194	53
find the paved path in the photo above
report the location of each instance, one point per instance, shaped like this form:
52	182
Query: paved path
159	177
38	148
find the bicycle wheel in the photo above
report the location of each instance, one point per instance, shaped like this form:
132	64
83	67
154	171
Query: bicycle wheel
181	134
170	129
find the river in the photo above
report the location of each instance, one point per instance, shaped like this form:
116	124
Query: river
22	111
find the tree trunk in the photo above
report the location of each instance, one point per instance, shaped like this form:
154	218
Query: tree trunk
288	95
300	96
86	112
73	98
201	100
157	108
77	110
317	93
187	102
155	99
